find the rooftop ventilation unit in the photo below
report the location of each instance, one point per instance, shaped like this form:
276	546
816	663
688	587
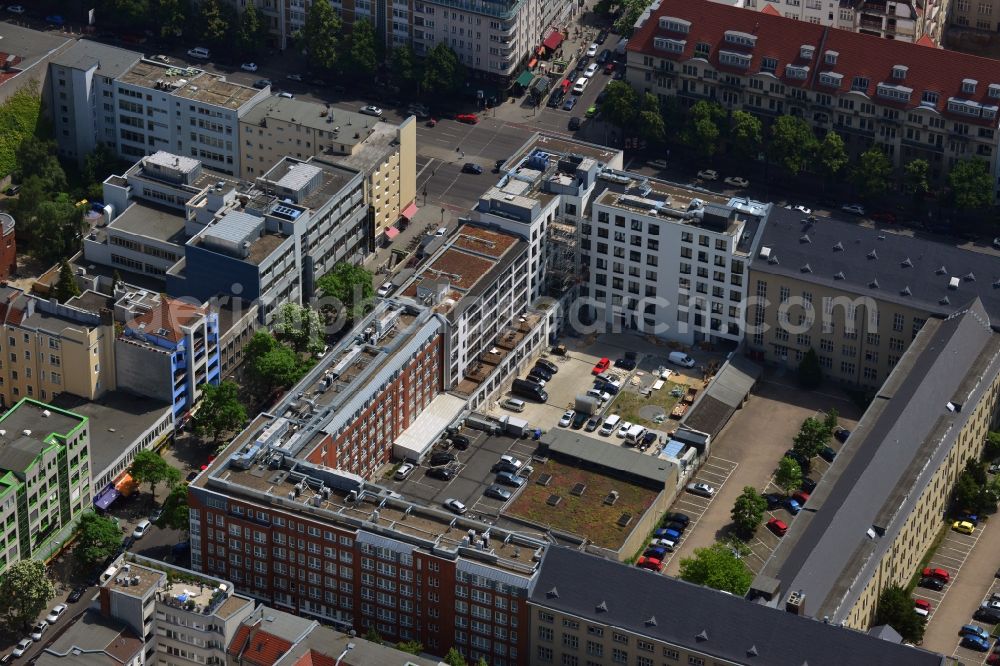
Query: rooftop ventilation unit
953	283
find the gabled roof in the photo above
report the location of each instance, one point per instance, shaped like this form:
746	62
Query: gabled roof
864	61
769	9
253	645
168	319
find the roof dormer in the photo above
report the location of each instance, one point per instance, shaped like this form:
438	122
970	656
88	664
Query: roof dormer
830	57
674	24
741	38
806	51
899	72
969	86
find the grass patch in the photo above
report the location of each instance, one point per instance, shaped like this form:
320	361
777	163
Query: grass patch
926	559
586	515
628	403
19	119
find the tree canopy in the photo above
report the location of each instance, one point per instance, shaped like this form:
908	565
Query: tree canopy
444	73
872	172
831	155
65	287
788	477
812	436
718	567
620	103
216	21
792	144
269	365
321	35
701	132
175	509
747	134
895	608
252	31
748	511
916	177
301	327
149	467
405	68
351	286
971	184
219	410
364	58
98	539
25	591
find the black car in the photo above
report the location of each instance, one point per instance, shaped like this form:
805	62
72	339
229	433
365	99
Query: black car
648	439
676	526
499	163
260	84
579	419
128	541
548	365
841	434
799	458
681	518
601	36
443	473
808	485
504	466
574	123
990	615
625	363
604	56
13	190
76	594
442	458
932	583
556	98
542	372
773	500
828	453
461	442
470	167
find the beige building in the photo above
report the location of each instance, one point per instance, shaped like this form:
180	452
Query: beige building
856	295
909	100
979	14
279	127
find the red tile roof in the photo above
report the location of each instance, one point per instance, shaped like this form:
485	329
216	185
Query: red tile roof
927	41
769	9
863	56
256	647
167	319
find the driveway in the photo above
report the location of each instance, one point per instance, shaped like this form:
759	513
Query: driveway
755	440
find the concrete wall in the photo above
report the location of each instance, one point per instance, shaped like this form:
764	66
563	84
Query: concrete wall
648	521
144	370
407	162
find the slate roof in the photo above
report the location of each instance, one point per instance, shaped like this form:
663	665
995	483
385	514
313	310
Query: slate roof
857	55
892	455
887	266
731	628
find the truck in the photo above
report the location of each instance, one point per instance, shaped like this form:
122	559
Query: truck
586	404
515	426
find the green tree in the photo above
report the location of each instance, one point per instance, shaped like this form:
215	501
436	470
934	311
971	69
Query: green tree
25	591
321	35
98	539
373	636
620	103
299	326
977	471
129	14
831	155
412	647
748	511
175	509
351	286
171	16
444	73
364	60
54	228
216	22
149	467
746	133
811	437
916	175
789	475
455	658
651	127
252	32
810	373
66	287
97	166
830	422
992	449
717	567
701	132
37	157
967	492
895	608
792	144
219	410
269	365
405	70
971	184
631	10
871	174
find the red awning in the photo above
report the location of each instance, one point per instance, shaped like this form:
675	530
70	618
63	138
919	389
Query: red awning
391	232
410	211
532	63
553	41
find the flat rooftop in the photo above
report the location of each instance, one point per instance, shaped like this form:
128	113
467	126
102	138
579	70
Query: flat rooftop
31	45
84	54
834	546
92	639
39	418
561	146
373	150
295	487
670	202
351	127
135	580
190	83
117	419
156	222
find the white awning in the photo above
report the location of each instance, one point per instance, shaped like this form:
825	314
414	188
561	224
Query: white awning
424	431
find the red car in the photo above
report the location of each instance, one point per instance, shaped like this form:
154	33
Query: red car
993	659
922	604
601	366
801	497
469	118
650	563
610	67
938	573
777	526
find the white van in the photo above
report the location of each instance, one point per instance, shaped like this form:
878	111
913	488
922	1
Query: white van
200	52
681	359
581	85
634	434
610	424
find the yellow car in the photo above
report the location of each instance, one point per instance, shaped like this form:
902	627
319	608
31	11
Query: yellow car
963	526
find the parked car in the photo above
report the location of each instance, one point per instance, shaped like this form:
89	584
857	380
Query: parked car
371	110
853	209
442	473
971	517
802	209
511	460
442	458
773	500
76	594
841	434
987	615
38	630
22	647
922	607
156	514
566	418
995	467
509	479
404	471
574	123
676	527
699	488
513	404
579	420
496	492
656	552
199	52
625	363
592	424
385	289
931	583
260	84
649	563
976	643
12	190
936	572
600	366
800	497
675	517
454	506
793	506
56	613
963	527
828	454
592	50
541	371
609	67
624	428
708	174
591	70
16	9
249	67
799	458
467	118
779	527
808	485
569	103
461	442
548	365
294	77
971	630
470	167
537	380
681	359
648	440
601	36
737	181
141	529
286	95
160	58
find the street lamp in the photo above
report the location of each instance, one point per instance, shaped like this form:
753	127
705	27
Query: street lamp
350	646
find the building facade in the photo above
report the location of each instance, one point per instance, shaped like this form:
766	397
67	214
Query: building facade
910	101
44	479
8	247
922	23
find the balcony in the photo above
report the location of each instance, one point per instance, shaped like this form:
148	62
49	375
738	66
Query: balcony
870	23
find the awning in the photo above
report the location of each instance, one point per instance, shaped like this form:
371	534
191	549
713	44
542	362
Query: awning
525	79
410	211
532	63
391	232
553	41
106	498
540	51
126	485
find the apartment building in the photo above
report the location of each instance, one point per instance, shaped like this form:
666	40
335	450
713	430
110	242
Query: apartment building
44	479
977	15
921	23
369	559
624	615
856	295
870	526
168	353
911	101
385	153
103	641
48	348
668	262
369	388
8	246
